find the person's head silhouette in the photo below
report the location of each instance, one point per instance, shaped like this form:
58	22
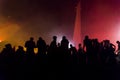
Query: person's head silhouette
55	38
31	38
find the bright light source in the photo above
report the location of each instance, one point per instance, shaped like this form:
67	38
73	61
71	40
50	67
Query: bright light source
59	38
0	40
70	42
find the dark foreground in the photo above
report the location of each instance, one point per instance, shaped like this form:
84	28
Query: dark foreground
58	62
58	72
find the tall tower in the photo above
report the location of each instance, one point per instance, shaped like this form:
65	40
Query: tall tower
77	26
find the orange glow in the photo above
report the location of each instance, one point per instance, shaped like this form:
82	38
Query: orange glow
7	30
0	40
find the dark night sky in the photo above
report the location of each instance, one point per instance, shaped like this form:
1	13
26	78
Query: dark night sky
20	19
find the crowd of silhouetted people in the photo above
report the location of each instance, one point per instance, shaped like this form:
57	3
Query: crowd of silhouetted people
59	56
92	52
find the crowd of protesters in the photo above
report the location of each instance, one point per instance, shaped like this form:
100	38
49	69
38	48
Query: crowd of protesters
92	52
58	58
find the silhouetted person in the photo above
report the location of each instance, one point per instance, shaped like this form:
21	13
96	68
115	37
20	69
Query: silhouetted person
118	44
104	51
87	44
108	55
42	49
118	52
111	55
95	51
30	45
64	43
59	54
8	54
20	50
53	44
73	52
101	56
20	54
41	45
53	50
65	50
81	55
